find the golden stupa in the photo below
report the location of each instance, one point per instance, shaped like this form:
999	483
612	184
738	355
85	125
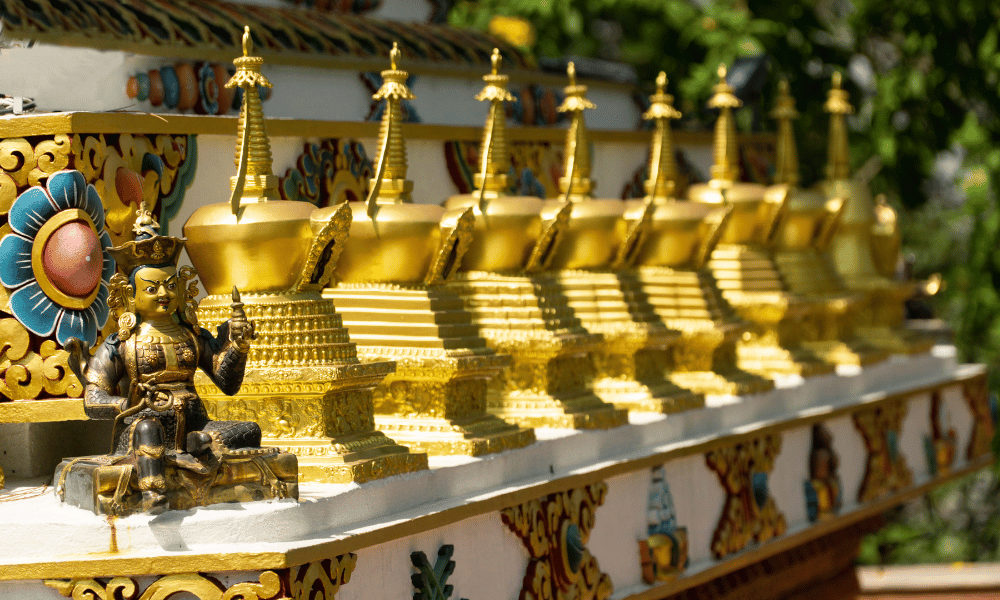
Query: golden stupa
670	266
801	242
390	291
593	267
866	245
743	262
516	304
304	383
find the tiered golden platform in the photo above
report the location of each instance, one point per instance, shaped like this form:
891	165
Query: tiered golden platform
518	307
801	242
743	263
865	246
592	266
304	383
392	296
669	266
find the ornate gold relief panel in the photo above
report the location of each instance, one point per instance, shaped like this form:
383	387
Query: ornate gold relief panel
321	579
885	469
555	530
977	396
124	170
749	513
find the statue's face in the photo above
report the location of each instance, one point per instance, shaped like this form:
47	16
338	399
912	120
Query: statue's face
156	292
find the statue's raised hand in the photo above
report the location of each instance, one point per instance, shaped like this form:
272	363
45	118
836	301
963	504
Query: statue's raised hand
241	330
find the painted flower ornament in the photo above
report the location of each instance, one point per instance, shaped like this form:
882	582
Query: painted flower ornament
55	262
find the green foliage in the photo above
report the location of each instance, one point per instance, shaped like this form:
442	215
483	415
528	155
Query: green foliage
957	522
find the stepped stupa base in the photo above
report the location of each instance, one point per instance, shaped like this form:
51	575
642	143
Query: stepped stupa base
350	458
435	402
846	353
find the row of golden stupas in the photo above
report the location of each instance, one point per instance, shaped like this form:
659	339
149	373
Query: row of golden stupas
397	329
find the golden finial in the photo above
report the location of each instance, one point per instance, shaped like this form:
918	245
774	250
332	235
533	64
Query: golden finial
787	167
576	169
662	165
390	185
493	153
838	153
725	171
254	181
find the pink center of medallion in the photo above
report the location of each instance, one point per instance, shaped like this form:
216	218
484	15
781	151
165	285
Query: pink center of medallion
72	259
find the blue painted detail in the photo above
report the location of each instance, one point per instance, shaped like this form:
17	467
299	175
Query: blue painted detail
171	204
35	310
68	189
759	483
994	407
15	261
812	502
99	308
108	264
30	211
528	185
892	443
77	324
94	206
143	80
931	453
171	86
40	314
151	162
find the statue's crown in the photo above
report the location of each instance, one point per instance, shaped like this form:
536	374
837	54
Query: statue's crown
149	247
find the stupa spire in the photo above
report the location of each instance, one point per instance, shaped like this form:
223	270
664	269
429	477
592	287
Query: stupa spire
390	185
254	181
662	164
838	154
493	153
576	168
726	169
787	167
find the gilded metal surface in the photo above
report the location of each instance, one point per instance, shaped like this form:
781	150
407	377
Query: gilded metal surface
743	261
977	397
549	382
390	293
555	529
886	471
669	267
803	234
941	445
750	513
866	245
303	372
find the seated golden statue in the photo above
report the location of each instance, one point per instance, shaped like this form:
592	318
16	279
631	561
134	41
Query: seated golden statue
166	452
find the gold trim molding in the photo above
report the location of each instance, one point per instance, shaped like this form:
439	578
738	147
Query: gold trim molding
153	124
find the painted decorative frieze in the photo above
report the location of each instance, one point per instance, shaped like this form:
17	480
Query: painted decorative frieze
81	190
664	554
535	167
977	396
214	27
329	172
941	443
321	579
885	469
750	513
555	530
823	488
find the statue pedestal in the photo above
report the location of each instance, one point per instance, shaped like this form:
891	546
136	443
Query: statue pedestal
108	485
